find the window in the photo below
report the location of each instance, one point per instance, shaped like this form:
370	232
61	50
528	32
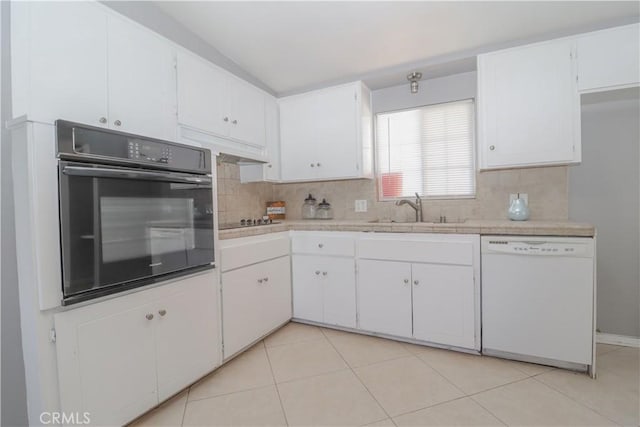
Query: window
427	150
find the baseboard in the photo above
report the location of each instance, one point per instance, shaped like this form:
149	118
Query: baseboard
614	339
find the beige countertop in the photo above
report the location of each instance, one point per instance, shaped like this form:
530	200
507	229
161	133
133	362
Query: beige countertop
472	226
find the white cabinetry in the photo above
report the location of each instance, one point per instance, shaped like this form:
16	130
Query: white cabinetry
323	272
269	171
421	287
609	58
528	106
119	358
77	61
213	101
256	288
314	126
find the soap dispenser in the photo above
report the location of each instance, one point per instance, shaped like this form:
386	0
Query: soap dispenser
518	211
309	208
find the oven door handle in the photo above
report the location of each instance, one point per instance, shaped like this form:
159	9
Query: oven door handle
100	172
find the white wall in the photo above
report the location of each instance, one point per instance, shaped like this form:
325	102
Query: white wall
14	401
604	190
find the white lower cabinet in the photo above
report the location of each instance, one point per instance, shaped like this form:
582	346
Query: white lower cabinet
324	289
421	287
384	297
256	299
119	358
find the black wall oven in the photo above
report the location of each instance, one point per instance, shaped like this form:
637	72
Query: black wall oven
133	210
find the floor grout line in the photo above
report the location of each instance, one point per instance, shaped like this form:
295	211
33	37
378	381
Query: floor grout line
359	380
577	401
273	376
186	402
489	411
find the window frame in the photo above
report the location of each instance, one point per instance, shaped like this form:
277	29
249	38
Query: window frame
474	159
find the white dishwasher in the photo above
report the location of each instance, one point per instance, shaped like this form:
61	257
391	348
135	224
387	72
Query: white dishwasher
538	299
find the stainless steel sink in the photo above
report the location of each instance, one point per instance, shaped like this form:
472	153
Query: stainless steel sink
391	221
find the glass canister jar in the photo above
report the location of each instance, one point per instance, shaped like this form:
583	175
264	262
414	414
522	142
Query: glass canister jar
324	210
309	208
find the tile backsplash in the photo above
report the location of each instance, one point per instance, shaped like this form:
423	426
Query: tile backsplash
546	187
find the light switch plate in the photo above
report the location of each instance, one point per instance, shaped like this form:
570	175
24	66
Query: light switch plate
514	196
361	206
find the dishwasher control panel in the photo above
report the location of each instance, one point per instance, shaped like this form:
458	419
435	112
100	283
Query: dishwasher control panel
539	247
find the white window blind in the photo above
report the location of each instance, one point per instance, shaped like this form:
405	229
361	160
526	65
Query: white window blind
427	150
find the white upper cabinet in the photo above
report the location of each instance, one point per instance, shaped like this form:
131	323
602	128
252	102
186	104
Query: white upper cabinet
610	58
211	100
314	126
76	61
59	61
142	81
528	106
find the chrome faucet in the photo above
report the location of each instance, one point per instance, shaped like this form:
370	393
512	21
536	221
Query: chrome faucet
417	206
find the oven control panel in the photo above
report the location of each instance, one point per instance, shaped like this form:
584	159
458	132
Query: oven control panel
150	151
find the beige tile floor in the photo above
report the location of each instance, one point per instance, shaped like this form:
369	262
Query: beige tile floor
308	376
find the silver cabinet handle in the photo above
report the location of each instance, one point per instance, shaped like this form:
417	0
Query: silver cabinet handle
317	272
313	165
149	316
260	280
492	147
320	245
406	281
269	166
117	123
235	122
266	279
225	119
162	312
318	164
324	273
102	120
416	282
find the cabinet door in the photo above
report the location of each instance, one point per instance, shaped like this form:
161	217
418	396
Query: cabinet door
242	321
307	288
142	81
443	304
247	113
203	95
337	132
275	293
338	276
297	137
272	127
106	365
68	62
187	335
609	58
384	297
529	106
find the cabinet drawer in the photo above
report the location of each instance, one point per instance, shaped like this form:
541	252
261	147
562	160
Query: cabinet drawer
436	250
235	253
327	243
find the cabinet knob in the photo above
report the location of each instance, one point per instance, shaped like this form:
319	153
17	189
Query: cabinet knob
492	147
317	272
320	245
416	282
149	316
162	312
225	119
260	280
318	164
324	273
406	281
312	165
235	122
117	123
269	166
266	279
102	120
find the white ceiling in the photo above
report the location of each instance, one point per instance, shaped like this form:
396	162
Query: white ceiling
291	46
